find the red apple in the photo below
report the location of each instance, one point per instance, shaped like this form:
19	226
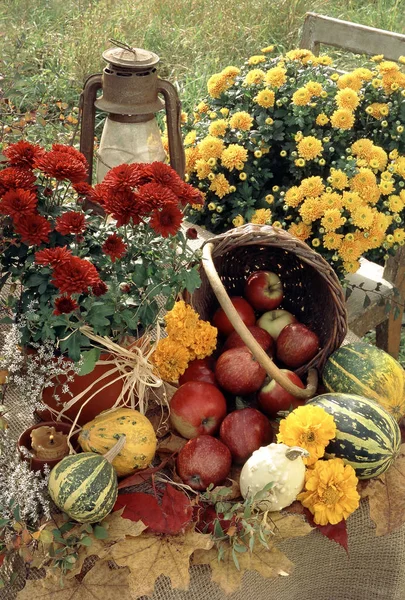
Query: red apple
261	336
197	407
199	370
238	371
245	431
274	321
245	311
264	290
202	461
273	397
296	345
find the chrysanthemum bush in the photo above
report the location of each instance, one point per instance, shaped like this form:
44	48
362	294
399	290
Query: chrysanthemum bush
112	269
291	142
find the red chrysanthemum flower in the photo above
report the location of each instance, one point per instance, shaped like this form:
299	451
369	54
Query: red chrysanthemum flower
62	166
65	305
114	247
75	276
166	175
70	223
154	195
71	151
166	221
12	178
99	289
123	206
18	203
82	188
52	257
126	177
33	229
190	195
23	154
192	233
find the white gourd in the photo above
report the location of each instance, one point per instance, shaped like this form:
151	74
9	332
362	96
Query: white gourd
278	464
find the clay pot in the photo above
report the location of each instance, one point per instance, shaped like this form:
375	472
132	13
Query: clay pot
37	464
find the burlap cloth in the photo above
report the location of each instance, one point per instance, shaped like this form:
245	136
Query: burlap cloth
374	569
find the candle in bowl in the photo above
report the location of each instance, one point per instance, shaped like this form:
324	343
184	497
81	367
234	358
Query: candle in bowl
51	452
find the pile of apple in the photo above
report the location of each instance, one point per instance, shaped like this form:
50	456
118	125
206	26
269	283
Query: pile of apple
199	409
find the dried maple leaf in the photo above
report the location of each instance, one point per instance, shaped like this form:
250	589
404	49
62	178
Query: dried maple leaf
118	527
171	516
149	556
289	526
269	562
386	497
99	582
173	443
336	533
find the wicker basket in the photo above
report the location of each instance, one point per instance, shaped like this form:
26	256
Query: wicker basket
311	288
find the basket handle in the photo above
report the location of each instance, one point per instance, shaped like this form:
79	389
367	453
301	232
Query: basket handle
257	351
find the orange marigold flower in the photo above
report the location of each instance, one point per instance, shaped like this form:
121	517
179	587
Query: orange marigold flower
171	359
241	120
301	230
301	97
342	119
276	77
347	98
312	186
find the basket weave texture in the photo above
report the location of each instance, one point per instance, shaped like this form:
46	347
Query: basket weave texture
312	291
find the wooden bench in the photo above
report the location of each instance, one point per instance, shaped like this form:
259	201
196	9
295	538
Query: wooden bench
365	314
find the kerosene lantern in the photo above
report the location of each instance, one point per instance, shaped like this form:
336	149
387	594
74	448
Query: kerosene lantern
130	97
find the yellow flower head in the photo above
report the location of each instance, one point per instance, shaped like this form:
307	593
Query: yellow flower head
254	76
332	240
314	87
310	210
387	67
395	203
399	236
362	216
276	77
362	148
386	187
190	138
267	49
309	147
378	110
255	60
322	119
230	72
364	178
170	359
351	266
338	179
332	219
399	166
301	55
202	168
309	427
323	60
350	250
378	158
349	80
312	186
330	491
331	200
363	74
233	155
218	128
203	341
238	221
342	118
241	120
220	185
202	107
300	162
293	196
347	98
210	147
269	198
301	230
377	57
192	155
217	84
265	98
301	97
262	216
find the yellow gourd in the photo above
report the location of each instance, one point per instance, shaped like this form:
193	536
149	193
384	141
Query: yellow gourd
102	433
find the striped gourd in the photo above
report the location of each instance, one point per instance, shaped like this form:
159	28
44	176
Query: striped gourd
368	438
85	485
368	371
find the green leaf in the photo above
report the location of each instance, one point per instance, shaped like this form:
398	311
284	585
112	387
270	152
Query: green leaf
192	280
86	541
397	313
100	533
89	360
16	514
46	536
73	344
6	321
140	276
367	301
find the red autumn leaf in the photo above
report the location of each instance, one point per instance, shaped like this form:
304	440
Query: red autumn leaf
2	557
142	476
171	516
337	533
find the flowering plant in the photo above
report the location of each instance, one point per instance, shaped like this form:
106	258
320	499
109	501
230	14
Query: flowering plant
74	267
290	142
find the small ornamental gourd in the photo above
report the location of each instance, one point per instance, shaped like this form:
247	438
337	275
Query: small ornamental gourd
85	485
102	433
280	465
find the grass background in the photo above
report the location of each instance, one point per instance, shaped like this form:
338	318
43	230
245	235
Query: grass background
49	47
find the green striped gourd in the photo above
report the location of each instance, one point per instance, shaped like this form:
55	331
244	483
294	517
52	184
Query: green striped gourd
365	370
368	438
85	485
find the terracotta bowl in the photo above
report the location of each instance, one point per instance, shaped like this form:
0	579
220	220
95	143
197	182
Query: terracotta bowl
37	464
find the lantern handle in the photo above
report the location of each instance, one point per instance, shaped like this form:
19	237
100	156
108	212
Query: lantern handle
173	112
122	45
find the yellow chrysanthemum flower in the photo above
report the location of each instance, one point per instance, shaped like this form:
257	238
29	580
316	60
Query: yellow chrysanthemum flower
350	250
377	57
347	98
309	147
342	118
331	200
293	196
276	77
386	187
310	210
399	166
238	221
301	230
338	179
352	199
332	219
202	168
299	162
265	98
217	84
323	60
218	128
233	156
257	59
254	76
362	148
262	216
220	185
395	203
332	240
322	119
399	235
309	427
210	147
312	186
301	97
314	87
362	217
330	492
364	178
241	120
378	158
349	80
170	359
301	55
230	72
190	138
267	49
192	154
351	266
363	74
387	66
378	110
203	107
